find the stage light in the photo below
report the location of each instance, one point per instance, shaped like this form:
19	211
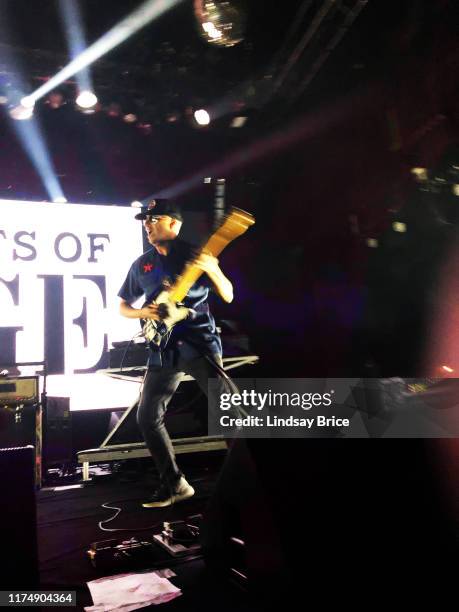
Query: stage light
21	113
447	369
222	22
3	100
398	226
420	174
136	204
172	117
130	118
238	122
202	117
207	179
372	243
211	30
27	102
86	99
144	14
60	200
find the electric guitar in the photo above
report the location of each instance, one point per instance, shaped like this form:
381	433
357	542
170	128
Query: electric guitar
170	298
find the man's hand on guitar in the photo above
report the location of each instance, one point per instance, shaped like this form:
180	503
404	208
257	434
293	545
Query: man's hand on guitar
150	311
207	263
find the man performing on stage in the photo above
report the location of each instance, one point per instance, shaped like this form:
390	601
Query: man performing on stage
192	347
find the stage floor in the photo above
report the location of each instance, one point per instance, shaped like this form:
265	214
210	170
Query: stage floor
68	523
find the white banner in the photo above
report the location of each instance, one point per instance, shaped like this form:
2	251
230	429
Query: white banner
61	266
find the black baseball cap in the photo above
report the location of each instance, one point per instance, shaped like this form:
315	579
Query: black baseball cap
159	207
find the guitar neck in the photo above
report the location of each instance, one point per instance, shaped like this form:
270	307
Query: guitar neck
236	224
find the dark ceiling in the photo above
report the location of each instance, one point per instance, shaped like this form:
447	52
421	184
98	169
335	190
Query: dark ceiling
343	98
167	67
297	57
163	68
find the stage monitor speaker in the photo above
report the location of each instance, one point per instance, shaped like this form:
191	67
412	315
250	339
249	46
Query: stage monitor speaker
57	432
18	519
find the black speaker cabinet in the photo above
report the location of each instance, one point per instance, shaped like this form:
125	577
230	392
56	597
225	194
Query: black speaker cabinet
57	432
17	426
18	519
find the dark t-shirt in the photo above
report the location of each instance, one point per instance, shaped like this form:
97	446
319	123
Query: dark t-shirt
189	338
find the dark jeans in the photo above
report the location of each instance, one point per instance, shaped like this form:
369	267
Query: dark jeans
159	386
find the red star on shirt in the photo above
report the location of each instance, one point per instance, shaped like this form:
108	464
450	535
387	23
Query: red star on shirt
148	267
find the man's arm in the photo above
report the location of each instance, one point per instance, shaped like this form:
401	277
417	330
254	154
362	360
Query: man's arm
222	284
147	312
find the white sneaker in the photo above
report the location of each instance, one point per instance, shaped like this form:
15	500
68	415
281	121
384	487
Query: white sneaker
164	496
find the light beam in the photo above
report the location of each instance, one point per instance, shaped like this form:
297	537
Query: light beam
29	133
148	11
73	26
